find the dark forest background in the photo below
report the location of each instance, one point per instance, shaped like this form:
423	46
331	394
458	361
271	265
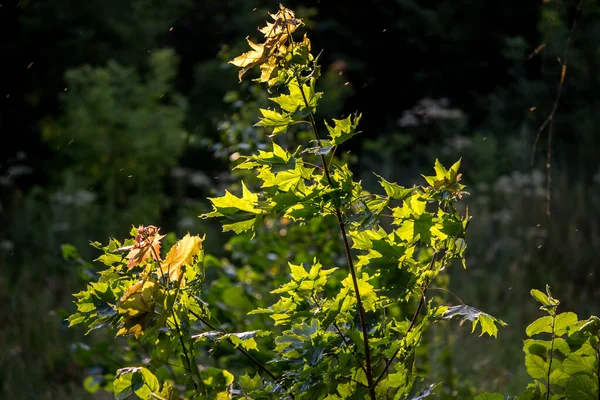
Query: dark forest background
116	113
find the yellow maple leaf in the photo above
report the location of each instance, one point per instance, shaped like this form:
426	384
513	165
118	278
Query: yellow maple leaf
136	306
249	59
182	253
137	299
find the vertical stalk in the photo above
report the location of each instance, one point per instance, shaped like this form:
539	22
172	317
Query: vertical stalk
551	351
241	350
192	369
339	331
413	321
338	215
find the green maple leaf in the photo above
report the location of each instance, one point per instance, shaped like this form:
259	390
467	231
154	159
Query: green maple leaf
288	179
278	159
295	104
343	129
249	384
413	220
395	191
240	213
279	122
445	179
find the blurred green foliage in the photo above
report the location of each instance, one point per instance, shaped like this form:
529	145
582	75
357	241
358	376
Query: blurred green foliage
121	135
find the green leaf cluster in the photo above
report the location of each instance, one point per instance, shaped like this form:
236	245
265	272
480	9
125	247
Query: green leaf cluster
561	354
345	323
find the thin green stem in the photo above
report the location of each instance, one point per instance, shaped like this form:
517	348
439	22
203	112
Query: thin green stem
241	350
313	165
447	291
332	156
412	322
551	355
339	331
338	214
185	353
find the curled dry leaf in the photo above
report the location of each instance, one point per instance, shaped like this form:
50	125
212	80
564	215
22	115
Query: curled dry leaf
147	244
268	54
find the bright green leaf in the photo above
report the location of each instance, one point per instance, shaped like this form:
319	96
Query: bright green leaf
540	325
393	190
273	119
564	321
343	129
536	366
295	103
582	387
576	363
138	380
249	384
445	179
540	296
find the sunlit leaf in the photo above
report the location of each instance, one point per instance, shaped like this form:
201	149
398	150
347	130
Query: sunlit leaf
446	179
395	191
147	245
138	380
582	387
563	322
468	313
536	366
240	213
267	54
540	325
301	101
249	384
182	253
343	129
576	363
273	119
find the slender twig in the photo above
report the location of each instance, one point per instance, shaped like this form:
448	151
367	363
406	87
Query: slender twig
190	368
412	322
551	355
332	156
411	326
313	165
549	121
448	291
338	214
185	353
241	350
339	331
